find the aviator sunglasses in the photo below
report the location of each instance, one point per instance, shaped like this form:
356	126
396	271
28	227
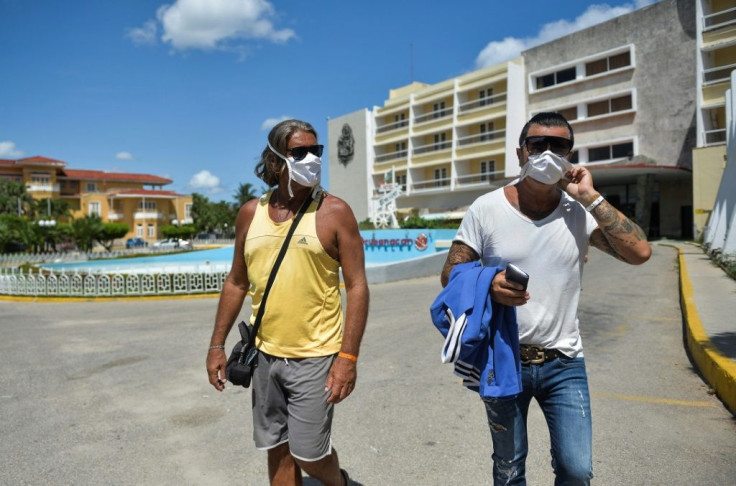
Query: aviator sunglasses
300	152
538	144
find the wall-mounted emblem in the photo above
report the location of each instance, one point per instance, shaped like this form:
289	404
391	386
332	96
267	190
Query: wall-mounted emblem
346	145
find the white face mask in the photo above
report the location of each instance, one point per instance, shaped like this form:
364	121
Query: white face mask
306	172
547	167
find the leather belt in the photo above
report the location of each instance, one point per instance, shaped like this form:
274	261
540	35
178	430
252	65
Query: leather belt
530	354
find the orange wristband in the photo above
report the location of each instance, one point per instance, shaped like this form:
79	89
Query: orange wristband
348	356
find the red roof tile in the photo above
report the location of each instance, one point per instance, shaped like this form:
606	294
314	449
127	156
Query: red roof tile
38	160
99	175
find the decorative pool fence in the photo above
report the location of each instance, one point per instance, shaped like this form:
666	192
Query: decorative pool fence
14	282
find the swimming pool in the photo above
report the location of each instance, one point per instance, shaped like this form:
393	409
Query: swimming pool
382	247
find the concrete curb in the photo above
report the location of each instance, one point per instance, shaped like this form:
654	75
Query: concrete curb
717	370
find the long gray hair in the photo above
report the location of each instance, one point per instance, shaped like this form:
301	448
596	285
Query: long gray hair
269	167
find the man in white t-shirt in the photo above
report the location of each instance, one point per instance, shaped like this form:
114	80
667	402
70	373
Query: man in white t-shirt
543	224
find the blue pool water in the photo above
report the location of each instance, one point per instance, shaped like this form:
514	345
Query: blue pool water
381	247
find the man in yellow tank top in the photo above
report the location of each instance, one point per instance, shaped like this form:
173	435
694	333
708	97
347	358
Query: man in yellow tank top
307	358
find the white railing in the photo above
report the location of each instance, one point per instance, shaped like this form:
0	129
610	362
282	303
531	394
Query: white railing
479	178
147	215
719	19
433	115
431	184
114	216
42	187
387	127
392	155
719	74
432	147
483	102
482	137
17	283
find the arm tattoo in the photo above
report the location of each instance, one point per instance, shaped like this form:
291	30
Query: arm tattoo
459	253
616	231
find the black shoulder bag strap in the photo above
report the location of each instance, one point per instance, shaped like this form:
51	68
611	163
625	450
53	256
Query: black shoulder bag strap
279	258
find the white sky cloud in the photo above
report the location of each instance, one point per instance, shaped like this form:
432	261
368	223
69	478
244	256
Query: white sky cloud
499	51
269	123
147	34
124	156
8	149
205	181
212	24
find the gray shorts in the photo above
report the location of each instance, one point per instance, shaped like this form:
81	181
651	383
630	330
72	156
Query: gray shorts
290	405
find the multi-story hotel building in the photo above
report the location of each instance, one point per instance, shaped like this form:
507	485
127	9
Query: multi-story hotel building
626	85
445	144
135	199
715	60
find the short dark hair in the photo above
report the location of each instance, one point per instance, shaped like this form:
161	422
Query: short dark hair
269	167
546	119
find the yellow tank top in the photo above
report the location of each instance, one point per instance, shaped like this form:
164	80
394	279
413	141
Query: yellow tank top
303	316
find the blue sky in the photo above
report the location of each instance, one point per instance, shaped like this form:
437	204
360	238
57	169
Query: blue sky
188	89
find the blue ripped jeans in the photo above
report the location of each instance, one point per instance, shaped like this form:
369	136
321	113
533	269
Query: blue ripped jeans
560	386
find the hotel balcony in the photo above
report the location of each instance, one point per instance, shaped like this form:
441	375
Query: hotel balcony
394	157
42	187
431	152
112	216
482	109
718	74
719	20
481	143
147	215
429	121
432	185
474	181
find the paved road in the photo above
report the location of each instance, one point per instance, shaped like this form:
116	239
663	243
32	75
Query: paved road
116	393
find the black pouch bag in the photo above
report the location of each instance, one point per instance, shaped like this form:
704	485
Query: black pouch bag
242	361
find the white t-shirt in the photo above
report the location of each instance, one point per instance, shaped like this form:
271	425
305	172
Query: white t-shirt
550	250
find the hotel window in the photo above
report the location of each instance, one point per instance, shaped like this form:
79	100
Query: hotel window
609	152
558	77
139	230
91	187
487	168
486	131
612	105
400	120
401	180
188	211
440	177
400	149
151	233
94	208
147	205
570	114
608	63
484	96
439	110
440	141
41	179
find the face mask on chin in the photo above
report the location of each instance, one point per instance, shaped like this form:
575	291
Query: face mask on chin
306	172
547	167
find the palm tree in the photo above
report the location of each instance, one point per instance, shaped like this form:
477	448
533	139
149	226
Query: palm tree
245	193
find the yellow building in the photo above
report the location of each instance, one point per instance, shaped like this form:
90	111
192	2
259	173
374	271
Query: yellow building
445	143
135	199
716	58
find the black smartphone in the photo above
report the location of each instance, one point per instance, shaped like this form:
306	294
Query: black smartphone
517	275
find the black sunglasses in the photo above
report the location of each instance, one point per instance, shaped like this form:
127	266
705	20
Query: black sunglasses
300	152
538	144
